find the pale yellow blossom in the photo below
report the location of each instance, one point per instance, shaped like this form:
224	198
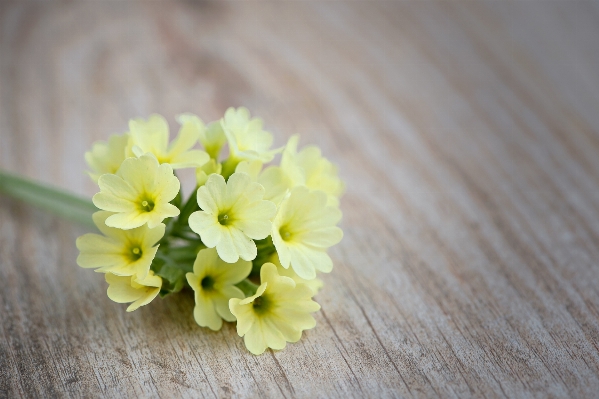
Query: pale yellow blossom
233	215
309	168
303	230
247	140
121	252
212	137
106	156
138	193
214	281
153	136
276	314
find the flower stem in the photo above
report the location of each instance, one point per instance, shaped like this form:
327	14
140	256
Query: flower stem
190	207
60	202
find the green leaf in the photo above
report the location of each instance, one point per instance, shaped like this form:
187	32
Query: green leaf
60	202
172	273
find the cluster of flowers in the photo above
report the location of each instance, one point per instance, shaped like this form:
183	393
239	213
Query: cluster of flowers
249	241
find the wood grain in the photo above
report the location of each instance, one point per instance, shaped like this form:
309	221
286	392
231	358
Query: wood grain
467	133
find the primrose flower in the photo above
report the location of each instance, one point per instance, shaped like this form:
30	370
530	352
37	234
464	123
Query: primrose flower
106	157
233	215
214	284
275	182
121	252
152	136
303	230
212	136
246	138
123	289
309	168
138	193
277	314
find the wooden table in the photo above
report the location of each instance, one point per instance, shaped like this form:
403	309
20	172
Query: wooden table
467	133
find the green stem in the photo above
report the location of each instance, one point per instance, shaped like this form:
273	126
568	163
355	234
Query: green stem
57	201
190	207
247	287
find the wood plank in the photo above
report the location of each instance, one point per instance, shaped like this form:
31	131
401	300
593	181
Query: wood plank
468	136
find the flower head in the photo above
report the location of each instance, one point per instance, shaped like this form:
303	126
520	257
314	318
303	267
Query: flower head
303	230
152	136
233	215
123	289
212	136
121	252
309	168
214	284
276	314
247	139
138	193
106	157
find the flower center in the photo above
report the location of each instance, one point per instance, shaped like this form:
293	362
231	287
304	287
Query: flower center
207	283
223	219
136	253
285	234
147	205
261	304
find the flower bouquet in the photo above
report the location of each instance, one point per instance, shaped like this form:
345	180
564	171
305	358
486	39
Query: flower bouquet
249	240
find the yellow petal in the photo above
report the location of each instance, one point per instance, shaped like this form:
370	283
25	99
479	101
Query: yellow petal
205	314
254	338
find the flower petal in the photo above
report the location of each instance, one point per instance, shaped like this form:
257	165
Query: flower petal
254	338
217	189
115	185
207	227
120	289
190	159
244	246
322	238
127	221
244	314
254	218
226	248
206	201
205	314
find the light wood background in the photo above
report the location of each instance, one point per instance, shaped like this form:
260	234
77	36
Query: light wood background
467	133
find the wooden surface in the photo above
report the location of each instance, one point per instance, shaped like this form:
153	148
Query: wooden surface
467	133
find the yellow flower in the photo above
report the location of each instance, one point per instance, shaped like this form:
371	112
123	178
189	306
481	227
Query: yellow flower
247	140
123	289
206	170
152	136
138	193
276	184
214	284
277	314
212	136
303	230
309	168
315	284
121	252
106	157
233	215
